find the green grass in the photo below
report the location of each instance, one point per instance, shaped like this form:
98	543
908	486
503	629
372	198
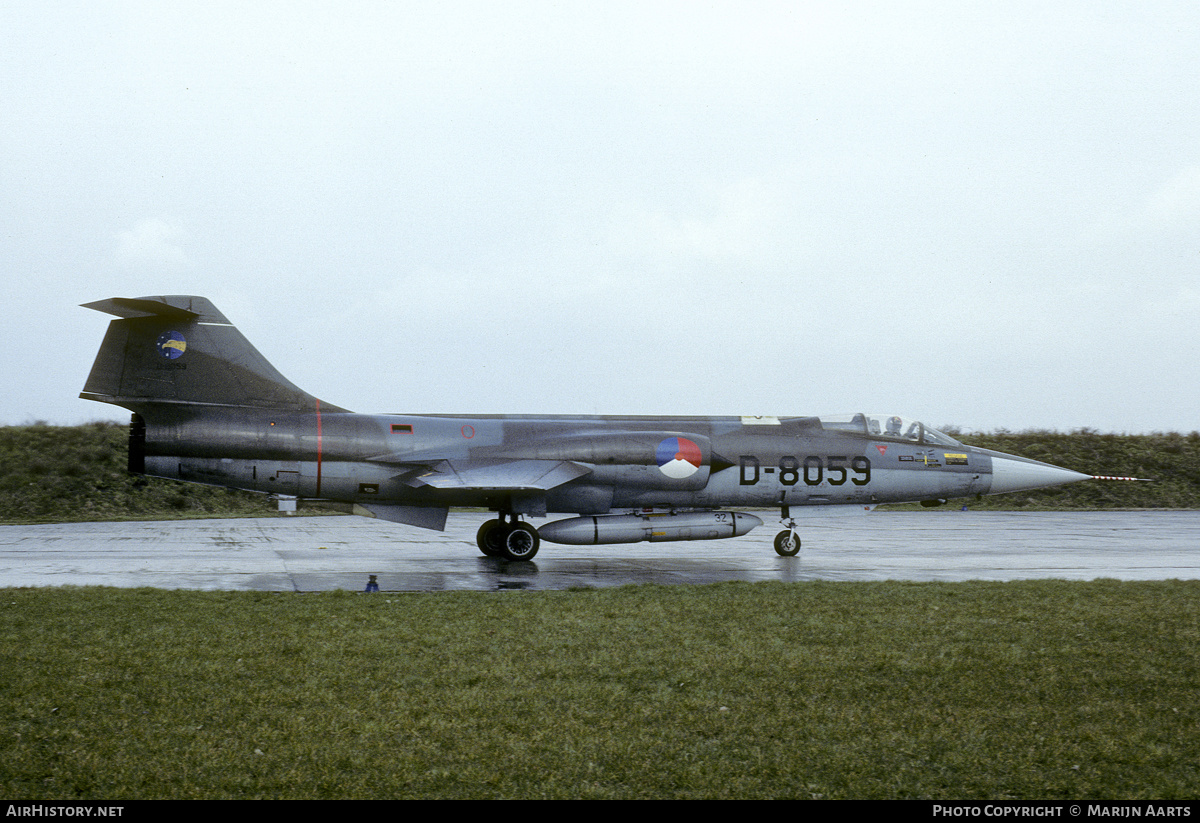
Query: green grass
59	474
1040	689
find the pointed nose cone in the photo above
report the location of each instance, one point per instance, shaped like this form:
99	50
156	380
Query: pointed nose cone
1014	474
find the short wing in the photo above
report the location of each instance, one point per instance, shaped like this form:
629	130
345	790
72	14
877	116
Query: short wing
471	475
500	475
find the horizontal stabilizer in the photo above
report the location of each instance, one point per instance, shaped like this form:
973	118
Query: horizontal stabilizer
513	475
169	308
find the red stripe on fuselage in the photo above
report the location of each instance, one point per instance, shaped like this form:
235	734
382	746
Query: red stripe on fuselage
318	448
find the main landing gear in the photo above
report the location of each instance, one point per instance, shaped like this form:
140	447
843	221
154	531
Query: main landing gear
511	539
787	542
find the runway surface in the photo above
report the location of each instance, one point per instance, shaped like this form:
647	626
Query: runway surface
324	553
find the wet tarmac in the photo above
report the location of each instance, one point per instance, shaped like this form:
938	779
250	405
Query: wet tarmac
324	553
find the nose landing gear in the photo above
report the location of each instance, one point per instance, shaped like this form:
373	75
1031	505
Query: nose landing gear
787	542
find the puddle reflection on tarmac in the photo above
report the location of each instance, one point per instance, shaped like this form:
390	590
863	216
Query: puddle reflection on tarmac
324	553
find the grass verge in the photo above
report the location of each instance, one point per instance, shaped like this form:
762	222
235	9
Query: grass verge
1038	689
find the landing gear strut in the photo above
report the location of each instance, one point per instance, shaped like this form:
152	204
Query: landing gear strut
787	542
511	539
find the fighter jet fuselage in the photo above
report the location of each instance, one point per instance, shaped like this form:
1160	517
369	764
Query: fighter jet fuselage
208	408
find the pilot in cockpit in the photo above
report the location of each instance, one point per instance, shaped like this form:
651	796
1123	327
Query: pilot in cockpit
893	426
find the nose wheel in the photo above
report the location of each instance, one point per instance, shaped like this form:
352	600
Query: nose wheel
787	542
512	539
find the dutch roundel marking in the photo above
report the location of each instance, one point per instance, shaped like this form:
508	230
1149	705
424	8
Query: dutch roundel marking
678	457
171	345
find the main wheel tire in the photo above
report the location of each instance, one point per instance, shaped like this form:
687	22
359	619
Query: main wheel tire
490	538
521	542
787	544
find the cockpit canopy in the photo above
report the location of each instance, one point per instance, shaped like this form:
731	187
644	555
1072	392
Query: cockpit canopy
887	426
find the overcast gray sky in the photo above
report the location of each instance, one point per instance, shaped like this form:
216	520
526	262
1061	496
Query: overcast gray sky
986	215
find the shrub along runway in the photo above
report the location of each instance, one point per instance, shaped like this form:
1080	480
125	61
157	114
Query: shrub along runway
328	553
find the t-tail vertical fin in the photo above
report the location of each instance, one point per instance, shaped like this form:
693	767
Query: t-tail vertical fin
179	350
